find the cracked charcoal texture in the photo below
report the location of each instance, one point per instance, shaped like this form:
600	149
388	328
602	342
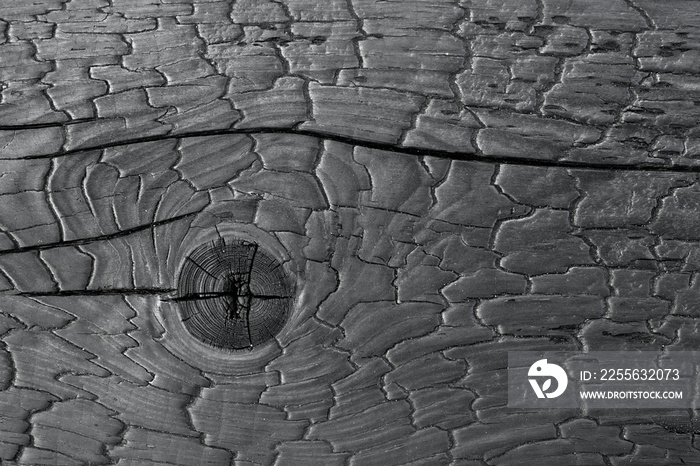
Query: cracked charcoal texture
597	83
440	182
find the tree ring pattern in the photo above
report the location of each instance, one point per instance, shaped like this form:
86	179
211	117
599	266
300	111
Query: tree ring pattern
233	295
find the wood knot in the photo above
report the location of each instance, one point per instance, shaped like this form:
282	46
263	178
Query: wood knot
233	295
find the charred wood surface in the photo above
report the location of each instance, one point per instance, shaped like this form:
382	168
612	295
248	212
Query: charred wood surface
304	232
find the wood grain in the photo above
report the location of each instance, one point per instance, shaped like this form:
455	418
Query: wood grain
442	182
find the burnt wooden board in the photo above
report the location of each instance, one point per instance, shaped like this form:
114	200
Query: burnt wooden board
431	183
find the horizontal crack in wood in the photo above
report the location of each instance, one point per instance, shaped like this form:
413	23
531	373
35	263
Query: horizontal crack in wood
420	152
